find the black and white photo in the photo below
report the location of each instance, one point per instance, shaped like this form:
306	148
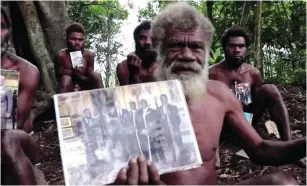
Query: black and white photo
117	124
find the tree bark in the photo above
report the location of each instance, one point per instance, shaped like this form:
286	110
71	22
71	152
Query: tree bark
209	5
258	27
37	45
38	32
245	14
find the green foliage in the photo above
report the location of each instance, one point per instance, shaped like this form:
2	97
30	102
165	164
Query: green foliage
298	77
215	56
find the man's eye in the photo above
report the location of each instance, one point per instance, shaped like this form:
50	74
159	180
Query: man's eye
196	46
175	45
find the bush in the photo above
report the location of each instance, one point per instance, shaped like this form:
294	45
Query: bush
298	77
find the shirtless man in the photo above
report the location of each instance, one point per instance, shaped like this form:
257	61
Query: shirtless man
183	37
84	75
139	65
28	76
232	70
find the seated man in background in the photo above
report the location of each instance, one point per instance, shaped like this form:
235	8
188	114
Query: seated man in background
233	71
183	38
28	75
83	74
139	65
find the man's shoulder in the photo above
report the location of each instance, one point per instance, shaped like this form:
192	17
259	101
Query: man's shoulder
88	53
217	89
24	65
216	67
62	52
247	68
122	65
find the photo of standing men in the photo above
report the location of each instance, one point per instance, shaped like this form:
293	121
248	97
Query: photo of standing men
8	89
116	124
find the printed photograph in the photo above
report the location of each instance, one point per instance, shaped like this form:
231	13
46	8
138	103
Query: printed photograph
117	124
9	80
76	58
243	92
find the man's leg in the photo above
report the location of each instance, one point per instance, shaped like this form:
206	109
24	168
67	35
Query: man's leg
65	84
271	179
268	97
96	80
17	154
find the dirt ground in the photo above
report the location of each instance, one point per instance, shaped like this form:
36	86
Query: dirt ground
233	168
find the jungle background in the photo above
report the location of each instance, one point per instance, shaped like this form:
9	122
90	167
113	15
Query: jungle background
277	31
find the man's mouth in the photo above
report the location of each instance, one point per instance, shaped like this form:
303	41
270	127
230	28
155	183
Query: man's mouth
181	69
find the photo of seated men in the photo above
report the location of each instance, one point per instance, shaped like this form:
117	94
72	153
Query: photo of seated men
8	87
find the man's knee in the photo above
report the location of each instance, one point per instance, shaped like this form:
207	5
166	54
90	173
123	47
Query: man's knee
270	90
96	76
65	81
280	178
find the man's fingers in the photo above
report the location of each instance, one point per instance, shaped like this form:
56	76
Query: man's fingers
143	179
121	178
133	172
153	173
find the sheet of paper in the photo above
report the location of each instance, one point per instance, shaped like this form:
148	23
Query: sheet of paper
242	153
76	58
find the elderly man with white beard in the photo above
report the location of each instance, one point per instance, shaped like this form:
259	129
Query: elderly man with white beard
182	38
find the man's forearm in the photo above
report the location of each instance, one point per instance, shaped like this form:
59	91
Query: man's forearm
279	152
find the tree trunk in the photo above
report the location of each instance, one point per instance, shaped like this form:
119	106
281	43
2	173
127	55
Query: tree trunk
38	46
38	30
245	14
209	5
258	27
108	54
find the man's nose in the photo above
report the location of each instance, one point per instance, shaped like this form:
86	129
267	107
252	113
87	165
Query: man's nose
236	49
186	55
148	41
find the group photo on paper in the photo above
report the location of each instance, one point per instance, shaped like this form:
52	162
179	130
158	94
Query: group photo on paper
191	102
109	127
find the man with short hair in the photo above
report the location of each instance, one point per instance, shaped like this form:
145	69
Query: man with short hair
139	65
28	75
82	74
234	72
6	102
182	38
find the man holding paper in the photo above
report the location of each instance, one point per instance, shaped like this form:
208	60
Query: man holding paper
182	37
76	64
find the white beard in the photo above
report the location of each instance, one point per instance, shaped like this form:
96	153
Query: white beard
194	84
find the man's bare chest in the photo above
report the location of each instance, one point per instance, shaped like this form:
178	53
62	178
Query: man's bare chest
231	78
207	121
